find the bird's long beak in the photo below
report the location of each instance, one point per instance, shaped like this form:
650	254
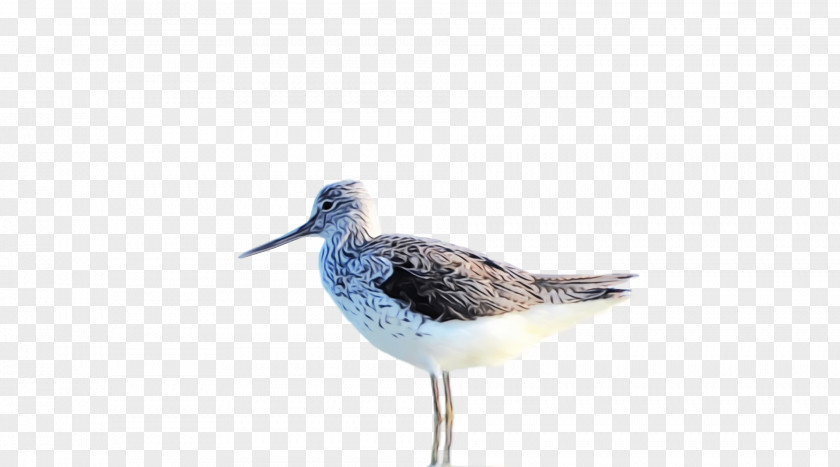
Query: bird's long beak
306	229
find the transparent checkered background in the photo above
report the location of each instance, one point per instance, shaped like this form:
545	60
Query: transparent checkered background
145	145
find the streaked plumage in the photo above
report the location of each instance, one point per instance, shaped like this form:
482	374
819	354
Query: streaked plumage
436	305
444	282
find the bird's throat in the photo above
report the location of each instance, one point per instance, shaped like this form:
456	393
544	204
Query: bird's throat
350	236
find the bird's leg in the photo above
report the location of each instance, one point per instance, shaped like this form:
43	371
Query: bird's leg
438	420
450	417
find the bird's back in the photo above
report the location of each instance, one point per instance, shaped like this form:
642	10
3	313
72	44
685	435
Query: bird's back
447	282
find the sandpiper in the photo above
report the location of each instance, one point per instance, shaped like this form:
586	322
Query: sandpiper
438	306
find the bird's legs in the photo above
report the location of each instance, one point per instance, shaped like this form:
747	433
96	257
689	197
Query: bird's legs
438	420
450	417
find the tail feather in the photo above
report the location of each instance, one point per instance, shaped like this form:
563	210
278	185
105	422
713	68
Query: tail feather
578	288
602	280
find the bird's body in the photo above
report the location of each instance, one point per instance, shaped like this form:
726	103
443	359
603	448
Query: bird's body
356	274
438	306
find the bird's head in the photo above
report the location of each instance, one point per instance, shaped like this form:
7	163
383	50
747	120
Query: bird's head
340	208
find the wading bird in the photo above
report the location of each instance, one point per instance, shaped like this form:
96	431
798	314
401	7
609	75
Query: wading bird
438	306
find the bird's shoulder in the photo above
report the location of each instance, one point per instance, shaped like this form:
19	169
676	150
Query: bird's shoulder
437	252
422	253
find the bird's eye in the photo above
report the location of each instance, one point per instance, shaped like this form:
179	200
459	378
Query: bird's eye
326	205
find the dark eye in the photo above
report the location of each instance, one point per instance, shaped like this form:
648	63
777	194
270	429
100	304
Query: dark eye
326	205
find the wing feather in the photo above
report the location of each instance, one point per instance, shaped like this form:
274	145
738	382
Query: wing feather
444	282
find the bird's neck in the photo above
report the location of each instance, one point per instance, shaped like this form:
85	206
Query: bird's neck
352	235
354	230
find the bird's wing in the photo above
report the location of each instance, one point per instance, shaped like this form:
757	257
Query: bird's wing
576	288
444	281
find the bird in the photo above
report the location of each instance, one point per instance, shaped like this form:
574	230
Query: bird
438	306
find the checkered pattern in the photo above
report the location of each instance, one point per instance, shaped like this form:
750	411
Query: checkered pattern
144	145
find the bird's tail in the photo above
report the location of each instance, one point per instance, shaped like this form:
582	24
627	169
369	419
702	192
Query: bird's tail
561	289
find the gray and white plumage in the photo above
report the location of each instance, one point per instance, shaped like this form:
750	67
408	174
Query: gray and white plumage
436	305
444	281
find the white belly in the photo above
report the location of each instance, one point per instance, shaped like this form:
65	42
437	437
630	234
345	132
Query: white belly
493	340
455	344
385	327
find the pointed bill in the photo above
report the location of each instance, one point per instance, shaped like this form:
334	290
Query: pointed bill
300	232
